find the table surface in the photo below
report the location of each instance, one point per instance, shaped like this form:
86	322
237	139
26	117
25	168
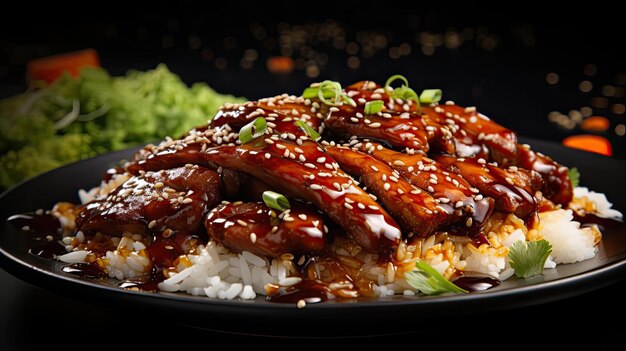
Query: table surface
32	318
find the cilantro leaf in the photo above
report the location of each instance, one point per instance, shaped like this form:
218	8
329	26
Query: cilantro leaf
574	176
430	282
528	258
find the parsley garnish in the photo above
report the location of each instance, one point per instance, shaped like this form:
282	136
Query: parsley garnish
430	282
528	258
574	176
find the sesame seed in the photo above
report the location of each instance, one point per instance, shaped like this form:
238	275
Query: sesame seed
415	191
469	221
398	163
374	168
253	237
242	223
269	141
309	165
158	185
375	208
458	204
482	161
298	150
387	186
400	191
301	304
410	168
349	200
509	180
374	125
354	119
267	155
361	206
316	187
347	205
431	189
321	159
187	200
302	216
337	186
302	158
478	197
393	179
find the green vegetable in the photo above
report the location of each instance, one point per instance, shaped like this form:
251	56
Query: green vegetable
574	176
403	92
372	107
430	282
275	200
528	258
429	96
329	92
76	118
312	133
253	130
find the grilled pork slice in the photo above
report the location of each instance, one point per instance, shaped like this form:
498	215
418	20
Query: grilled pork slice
451	191
417	211
557	185
306	172
256	228
167	202
513	189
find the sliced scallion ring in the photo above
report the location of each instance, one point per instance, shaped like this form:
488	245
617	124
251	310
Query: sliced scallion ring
429	96
329	86
372	107
253	130
275	200
394	78
312	133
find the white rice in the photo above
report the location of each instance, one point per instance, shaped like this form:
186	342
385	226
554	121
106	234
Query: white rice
570	243
603	206
219	273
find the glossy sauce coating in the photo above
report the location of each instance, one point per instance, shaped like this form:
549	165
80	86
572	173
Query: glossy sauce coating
256	228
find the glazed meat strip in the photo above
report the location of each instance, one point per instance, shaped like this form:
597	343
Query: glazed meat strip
513	189
451	191
475	132
166	202
417	212
557	185
401	130
256	228
477	129
401	125
306	172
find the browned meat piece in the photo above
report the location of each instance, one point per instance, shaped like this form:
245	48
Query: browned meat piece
402	130
306	172
167	202
512	188
466	122
256	228
416	211
451	191
301	170
557	186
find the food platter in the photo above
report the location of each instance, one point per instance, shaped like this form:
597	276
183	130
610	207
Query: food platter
599	173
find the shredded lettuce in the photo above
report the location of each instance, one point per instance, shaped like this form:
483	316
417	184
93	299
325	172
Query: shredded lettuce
76	118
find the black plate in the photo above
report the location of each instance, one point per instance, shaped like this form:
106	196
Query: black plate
599	173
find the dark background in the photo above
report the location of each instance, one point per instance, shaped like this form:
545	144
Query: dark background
495	59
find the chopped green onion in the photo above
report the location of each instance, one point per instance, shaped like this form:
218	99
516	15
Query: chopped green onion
429	96
427	280
394	78
312	133
275	200
329	92
334	87
253	130
312	92
372	107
